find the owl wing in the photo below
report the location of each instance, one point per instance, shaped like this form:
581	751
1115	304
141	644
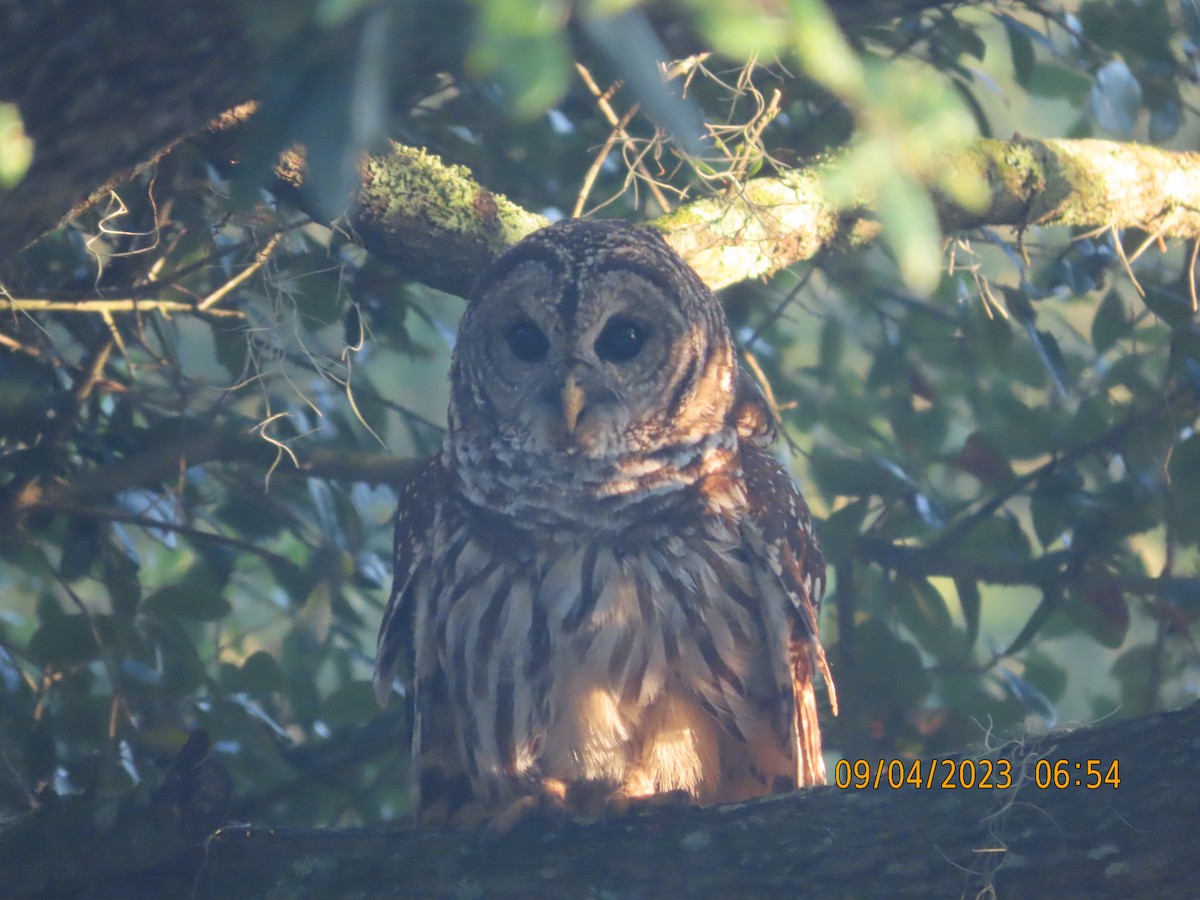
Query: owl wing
412	547
789	544
439	788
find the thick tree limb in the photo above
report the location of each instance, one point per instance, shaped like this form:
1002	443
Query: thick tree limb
190	447
1135	840
443	226
105	89
99	117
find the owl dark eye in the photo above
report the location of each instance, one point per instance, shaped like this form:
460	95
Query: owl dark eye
621	340
527	342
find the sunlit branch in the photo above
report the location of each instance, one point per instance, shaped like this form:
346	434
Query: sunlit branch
442	227
101	307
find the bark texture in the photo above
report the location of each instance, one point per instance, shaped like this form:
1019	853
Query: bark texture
777	221
1134	840
104	89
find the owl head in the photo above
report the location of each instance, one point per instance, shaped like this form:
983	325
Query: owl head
590	341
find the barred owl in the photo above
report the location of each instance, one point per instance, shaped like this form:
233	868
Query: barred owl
604	583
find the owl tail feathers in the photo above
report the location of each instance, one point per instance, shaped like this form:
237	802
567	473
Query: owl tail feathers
811	762
830	687
385	674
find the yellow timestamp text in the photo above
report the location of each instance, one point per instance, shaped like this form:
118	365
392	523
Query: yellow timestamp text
1061	774
971	774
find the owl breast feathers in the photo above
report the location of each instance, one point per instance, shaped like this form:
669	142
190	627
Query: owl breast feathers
604	583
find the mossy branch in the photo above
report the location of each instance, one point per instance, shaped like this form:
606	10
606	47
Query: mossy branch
442	227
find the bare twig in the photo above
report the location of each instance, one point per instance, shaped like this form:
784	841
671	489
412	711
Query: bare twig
107	307
619	125
259	259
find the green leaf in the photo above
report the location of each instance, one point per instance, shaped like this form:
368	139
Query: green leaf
1050	79
1116	98
80	548
320	298
1054	504
1183	468
1049	676
197	597
1020	48
350	705
1170	305
184	670
16	147
823	51
832	343
260	673
895	678
1027	694
1103	612
63	642
971	603
998	538
922	609
1132	670
841	530
910	228
1051	600
231	343
316	615
843	476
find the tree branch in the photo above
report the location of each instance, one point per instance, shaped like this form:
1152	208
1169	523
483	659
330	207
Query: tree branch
442	227
105	90
196	448
1030	839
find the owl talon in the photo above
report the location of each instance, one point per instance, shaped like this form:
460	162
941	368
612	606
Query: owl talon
505	821
621	805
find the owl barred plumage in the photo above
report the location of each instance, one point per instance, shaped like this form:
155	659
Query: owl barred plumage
604	584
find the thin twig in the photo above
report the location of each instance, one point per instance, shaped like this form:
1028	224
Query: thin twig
115	515
1192	275
259	259
107	307
106	659
963	527
618	124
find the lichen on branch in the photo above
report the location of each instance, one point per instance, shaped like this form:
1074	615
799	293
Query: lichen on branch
441	227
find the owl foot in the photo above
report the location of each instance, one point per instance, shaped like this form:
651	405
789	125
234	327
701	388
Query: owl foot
620	804
548	801
581	802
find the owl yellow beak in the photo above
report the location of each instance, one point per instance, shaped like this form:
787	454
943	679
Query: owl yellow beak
572	402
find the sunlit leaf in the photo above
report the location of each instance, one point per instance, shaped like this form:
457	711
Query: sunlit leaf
822	49
16	147
911	230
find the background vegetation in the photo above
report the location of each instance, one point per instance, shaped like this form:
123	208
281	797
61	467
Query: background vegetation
208	393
